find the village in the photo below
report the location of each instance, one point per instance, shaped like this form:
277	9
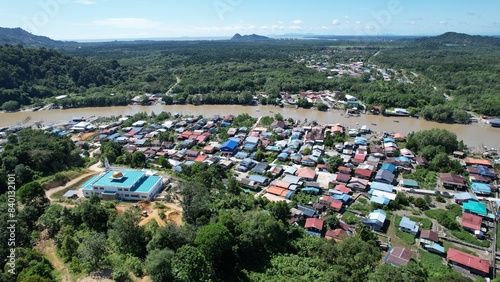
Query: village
288	160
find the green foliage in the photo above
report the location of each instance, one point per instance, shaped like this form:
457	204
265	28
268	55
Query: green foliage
350	218
334	162
127	236
158	265
425	223
426	179
434	137
411	272
445	218
214	241
433	263
93	252
34	153
469	238
10	106
189	264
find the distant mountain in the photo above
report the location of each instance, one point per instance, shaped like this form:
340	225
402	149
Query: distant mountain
21	36
458	39
251	37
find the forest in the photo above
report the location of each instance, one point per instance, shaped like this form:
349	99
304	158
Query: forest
229	72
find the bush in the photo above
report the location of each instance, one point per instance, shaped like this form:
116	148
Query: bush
425	223
406	237
350	218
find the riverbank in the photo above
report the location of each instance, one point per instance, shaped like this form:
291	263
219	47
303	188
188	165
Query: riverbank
474	135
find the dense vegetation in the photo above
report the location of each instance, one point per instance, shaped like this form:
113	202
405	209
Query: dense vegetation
464	67
32	154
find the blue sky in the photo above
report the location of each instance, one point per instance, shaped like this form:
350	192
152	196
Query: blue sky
120	19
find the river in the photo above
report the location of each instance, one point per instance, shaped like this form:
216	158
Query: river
476	134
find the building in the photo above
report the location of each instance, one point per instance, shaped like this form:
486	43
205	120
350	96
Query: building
452	181
408	226
314	226
398	256
475	208
469	262
376	220
351	101
429	240
123	185
471	222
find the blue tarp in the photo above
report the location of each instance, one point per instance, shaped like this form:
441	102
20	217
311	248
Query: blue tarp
481	188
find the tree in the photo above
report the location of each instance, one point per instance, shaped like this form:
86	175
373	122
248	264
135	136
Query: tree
164	162
278	117
10	106
138	159
421	203
93	214
215	242
28	193
334	163
189	264
172	237
233	186
69	248
159	265
93	251
126	234
280	210
322	107
365	233
195	202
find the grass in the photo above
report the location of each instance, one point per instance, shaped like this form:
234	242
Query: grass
425	223
433	263
498	239
426	179
350	218
448	245
469	238
406	237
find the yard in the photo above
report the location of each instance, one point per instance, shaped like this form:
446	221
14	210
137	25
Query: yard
426	179
407	238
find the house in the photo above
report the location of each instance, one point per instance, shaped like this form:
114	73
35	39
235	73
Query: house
357	184
285	193
260	168
339	178
408	183
314	226
476	162
469	262
464	197
351	101
261	180
363	173
229	147
471	222
452	181
308	211
375	220
381	197
481	188
295	215
428	237
209	149
245	165
344	169
342	188
388	166
282	157
336	234
408	225
475	208
421	161
382	187
306	174
246	182
384	176
398	256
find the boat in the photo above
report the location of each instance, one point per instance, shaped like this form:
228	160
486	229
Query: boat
396	120
374	123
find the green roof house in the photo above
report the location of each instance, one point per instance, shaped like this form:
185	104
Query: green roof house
475	208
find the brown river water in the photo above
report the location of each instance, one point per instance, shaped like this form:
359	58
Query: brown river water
476	134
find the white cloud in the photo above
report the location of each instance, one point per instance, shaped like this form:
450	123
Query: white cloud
358	22
296	22
84	2
335	22
347	17
324	27
443	22
280	22
137	23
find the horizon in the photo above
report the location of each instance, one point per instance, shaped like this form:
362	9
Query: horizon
98	20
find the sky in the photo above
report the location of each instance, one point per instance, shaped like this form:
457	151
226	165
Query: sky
135	19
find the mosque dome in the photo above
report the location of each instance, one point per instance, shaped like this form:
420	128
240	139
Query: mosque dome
117	174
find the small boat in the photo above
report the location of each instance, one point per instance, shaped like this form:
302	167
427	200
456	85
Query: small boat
258	110
374	123
271	111
396	120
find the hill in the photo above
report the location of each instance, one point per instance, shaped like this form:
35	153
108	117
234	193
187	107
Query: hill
458	39
251	37
21	36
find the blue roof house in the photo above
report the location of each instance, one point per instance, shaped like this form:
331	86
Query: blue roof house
389	167
481	188
384	176
408	225
376	220
229	146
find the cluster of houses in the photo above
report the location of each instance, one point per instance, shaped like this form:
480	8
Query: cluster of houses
300	167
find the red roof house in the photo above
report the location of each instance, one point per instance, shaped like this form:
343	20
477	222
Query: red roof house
471	222
472	263
336	205
335	234
314	224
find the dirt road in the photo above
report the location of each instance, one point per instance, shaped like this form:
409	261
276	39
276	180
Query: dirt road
94	169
